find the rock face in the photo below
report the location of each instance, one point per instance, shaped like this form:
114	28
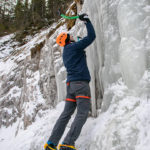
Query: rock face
32	76
24	88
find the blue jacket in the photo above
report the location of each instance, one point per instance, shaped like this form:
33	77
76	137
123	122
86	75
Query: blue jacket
74	57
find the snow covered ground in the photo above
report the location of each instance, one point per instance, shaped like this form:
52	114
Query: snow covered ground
35	136
7	45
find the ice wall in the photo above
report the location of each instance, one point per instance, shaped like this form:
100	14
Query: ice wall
121	49
119	66
103	55
133	24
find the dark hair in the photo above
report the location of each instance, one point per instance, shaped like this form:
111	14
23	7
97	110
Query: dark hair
67	39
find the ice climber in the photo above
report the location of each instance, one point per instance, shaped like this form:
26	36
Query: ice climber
78	90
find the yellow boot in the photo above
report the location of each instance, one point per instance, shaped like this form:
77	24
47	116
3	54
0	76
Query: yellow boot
49	147
66	147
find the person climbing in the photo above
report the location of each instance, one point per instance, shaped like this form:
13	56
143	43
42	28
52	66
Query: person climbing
78	90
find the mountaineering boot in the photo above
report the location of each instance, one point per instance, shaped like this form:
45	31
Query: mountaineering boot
49	146
66	147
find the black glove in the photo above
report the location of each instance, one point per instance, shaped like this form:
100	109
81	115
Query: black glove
84	17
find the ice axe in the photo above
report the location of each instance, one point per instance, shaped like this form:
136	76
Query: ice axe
68	17
82	17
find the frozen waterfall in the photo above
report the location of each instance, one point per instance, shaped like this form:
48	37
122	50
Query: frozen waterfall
119	66
133	24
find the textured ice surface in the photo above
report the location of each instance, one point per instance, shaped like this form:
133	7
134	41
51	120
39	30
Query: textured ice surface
134	24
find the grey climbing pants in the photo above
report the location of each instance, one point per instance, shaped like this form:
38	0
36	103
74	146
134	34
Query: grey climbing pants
78	96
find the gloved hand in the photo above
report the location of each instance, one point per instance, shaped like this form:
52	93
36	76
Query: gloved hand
84	17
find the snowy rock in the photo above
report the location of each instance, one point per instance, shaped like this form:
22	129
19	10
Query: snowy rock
21	81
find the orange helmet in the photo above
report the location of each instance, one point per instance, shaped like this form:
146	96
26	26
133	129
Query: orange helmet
61	39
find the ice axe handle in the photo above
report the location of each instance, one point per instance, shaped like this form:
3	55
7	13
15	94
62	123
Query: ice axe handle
68	17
